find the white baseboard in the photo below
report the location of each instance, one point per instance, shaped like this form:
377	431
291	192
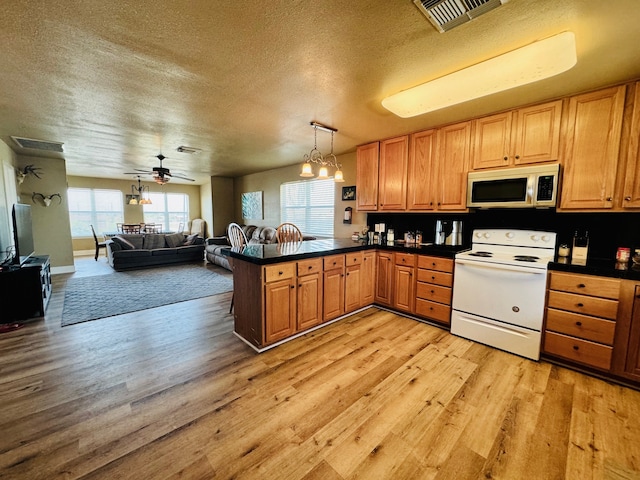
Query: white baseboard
63	269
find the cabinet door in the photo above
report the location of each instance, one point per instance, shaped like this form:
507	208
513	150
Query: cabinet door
333	297
631	191
309	301
593	140
367	279
384	278
536	133
280	309
352	288
367	177
491	141
392	180
454	145
404	288
422	160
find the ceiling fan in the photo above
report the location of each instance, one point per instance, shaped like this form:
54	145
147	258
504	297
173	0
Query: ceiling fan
160	174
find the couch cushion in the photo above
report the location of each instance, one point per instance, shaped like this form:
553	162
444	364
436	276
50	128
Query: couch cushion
263	235
137	253
190	240
124	243
174	239
153	241
156	252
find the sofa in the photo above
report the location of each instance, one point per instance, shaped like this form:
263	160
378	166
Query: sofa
255	235
128	251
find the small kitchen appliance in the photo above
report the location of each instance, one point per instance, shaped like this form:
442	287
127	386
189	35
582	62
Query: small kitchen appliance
499	289
448	232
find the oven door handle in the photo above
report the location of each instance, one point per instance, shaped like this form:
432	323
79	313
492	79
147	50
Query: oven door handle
497	266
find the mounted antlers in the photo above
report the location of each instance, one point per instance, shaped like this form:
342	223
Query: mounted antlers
28	170
46	199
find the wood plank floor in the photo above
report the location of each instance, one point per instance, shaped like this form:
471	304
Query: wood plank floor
171	393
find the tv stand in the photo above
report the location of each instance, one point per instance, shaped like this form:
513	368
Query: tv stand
25	290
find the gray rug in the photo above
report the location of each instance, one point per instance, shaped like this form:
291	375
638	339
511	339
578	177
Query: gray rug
90	298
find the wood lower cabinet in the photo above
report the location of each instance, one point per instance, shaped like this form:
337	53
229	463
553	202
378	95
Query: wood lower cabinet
590	160
434	284
309	296
627	345
333	278
368	278
280	301
352	281
384	278
404	282
581	318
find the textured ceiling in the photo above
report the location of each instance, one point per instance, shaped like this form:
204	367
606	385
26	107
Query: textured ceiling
120	81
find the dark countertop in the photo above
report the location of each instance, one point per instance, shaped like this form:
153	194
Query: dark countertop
599	266
275	253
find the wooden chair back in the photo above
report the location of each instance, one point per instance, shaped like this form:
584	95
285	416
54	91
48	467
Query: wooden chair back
288	232
236	236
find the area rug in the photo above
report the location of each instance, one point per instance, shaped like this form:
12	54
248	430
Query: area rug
90	298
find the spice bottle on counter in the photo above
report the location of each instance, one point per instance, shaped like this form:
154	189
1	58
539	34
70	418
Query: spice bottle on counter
623	254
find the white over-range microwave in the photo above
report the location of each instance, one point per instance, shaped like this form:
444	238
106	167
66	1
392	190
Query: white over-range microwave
518	187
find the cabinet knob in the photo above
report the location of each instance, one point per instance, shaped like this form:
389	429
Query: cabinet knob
505	158
576	347
309	267
609	199
581	285
293	286
579	324
280	273
517	157
628	199
579	305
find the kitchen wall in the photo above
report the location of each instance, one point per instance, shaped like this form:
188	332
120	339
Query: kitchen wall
607	231
269	183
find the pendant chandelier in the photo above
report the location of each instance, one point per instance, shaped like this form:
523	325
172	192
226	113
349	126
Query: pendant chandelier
325	162
141	192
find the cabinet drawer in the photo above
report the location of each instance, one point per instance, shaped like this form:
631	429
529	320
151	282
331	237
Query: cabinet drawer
279	271
431	276
333	261
435	263
433	310
577	350
305	267
353	258
585	285
408	259
598	307
581	326
435	293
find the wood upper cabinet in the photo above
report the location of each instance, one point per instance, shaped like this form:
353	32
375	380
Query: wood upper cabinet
392	177
454	148
384	278
594	125
524	136
631	184
421	192
367	177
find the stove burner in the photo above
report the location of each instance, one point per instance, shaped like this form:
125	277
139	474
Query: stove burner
481	254
526	258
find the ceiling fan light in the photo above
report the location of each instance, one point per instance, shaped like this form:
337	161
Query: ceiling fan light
306	170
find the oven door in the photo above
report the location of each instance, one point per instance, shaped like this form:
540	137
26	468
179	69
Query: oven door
507	293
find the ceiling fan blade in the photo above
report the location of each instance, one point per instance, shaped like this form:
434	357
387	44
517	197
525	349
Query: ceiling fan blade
139	172
182	177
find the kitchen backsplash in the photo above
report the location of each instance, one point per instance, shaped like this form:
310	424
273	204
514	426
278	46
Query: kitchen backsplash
607	231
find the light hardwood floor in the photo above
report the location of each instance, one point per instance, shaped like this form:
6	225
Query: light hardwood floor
171	393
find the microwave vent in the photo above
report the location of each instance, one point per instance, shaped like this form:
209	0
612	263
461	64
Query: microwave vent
447	14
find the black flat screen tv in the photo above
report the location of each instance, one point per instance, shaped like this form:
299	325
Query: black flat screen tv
22	233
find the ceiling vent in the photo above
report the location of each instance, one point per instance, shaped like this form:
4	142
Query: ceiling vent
38	144
448	14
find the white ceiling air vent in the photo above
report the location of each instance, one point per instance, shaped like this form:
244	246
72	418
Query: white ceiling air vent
38	144
448	14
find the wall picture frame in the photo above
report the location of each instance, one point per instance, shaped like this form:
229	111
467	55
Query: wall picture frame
252	206
349	193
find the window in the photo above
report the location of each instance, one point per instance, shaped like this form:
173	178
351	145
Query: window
168	209
100	208
310	205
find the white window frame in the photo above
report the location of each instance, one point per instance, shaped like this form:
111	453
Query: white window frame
170	219
310	204
102	220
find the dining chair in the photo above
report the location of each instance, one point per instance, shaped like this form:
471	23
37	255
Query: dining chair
238	239
288	232
131	228
119	226
99	244
180	228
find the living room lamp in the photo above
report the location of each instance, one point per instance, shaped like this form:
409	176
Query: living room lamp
325	162
531	63
140	190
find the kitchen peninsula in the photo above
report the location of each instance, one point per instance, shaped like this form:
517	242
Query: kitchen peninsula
284	290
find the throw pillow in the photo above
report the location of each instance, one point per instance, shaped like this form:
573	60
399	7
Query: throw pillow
191	239
123	242
153	241
174	240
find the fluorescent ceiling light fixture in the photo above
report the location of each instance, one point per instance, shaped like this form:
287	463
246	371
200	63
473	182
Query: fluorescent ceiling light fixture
528	64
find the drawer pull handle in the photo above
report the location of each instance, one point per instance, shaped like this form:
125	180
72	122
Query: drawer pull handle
579	305
576	347
581	285
579	324
280	273
310	267
432	292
